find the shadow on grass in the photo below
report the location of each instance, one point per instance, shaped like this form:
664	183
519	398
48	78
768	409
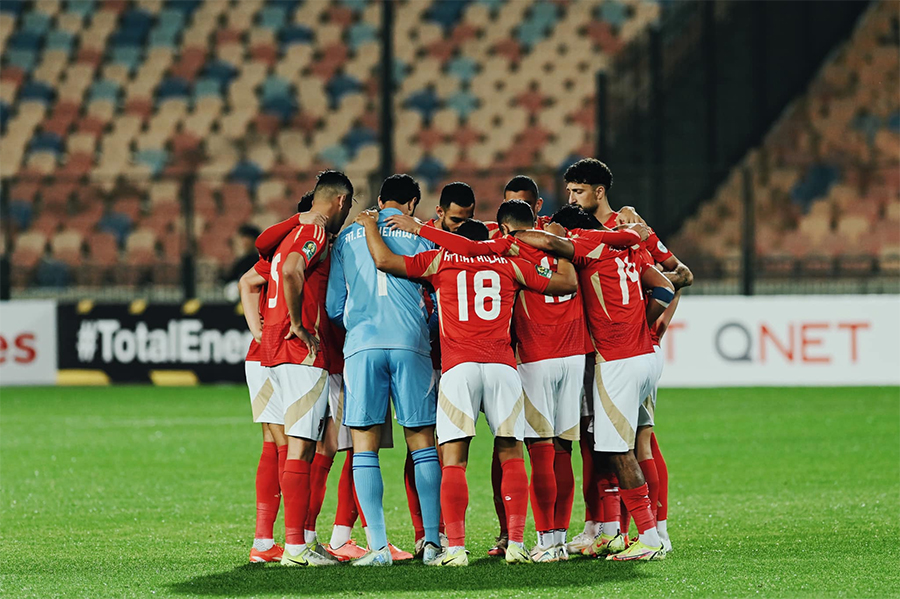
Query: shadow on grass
483	574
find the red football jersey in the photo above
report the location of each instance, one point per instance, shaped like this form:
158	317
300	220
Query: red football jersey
613	297
262	266
311	242
652	244
475	297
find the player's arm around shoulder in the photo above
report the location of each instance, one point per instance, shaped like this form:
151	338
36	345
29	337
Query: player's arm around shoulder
385	260
548	242
564	281
250	287
662	293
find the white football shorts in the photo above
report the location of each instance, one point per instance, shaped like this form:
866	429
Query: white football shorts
265	404
553	389
304	396
620	387
648	408
469	388
336	410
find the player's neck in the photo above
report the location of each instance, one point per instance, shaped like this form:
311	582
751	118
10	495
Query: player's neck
603	211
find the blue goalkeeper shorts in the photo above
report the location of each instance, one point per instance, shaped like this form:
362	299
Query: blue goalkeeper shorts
371	376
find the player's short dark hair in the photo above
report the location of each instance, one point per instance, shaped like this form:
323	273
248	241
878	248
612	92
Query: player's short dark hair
333	183
591	172
306	201
458	193
573	216
474	230
249	231
514	213
400	188
522	183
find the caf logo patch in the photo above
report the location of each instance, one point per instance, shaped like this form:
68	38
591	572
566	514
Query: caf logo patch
543	271
309	249
661	247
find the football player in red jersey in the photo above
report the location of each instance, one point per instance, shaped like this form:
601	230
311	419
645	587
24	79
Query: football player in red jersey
291	348
475	302
456	206
551	372
618	320
522	188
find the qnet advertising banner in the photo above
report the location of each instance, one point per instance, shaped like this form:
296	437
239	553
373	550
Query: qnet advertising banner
28	343
783	340
127	345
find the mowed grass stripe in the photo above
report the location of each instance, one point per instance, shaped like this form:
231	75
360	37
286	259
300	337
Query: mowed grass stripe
143	491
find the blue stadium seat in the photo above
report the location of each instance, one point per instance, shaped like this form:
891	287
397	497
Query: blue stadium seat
358	137
133	27
400	71
284	107
275	87
172	87
185	6
425	101
361	33
248	173
36	90
81	7
339	86
103	89
221	71
296	34
36	22
170	19
336	155
130	56
117	224
52	273
544	13
273	17
12	8
21	213
613	13
4	116
60	40
23	59
819	178
154	158
530	33
492	4
207	86
431	170
46	142
463	102
463	68
893	122
355	5
24	40
163	39
447	14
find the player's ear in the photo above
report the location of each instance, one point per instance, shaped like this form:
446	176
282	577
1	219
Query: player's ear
380	203
439	211
412	206
504	229
537	206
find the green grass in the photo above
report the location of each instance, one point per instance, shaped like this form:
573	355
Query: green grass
142	491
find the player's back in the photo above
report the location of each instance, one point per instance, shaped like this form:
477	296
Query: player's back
310	241
613	296
378	311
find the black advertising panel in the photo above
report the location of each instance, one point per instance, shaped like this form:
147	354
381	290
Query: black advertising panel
134	342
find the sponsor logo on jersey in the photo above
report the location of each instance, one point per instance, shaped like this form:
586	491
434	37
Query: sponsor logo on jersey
543	271
309	249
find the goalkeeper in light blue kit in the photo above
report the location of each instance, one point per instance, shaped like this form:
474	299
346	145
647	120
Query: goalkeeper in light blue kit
387	353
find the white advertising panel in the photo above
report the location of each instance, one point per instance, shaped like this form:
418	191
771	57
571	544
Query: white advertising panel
28	343
783	340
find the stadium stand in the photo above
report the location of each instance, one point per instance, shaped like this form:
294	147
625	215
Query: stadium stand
826	179
105	105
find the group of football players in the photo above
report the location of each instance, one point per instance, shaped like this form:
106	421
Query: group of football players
550	326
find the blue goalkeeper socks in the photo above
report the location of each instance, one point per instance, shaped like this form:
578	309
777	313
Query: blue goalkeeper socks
428	485
370	491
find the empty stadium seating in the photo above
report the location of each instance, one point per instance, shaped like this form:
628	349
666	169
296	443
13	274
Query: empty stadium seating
826	179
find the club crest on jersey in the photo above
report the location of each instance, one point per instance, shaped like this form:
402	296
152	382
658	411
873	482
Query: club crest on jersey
543	271
309	249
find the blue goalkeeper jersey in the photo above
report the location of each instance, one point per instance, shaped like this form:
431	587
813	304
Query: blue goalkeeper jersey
378	310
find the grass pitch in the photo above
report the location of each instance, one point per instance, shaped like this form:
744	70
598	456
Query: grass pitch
149	492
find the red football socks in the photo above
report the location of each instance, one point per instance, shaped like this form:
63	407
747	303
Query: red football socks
648	467
565	490
295	488
609	497
638	504
318	479
412	497
346	512
496	480
454	501
282	458
543	485
514	488
663	472
268	491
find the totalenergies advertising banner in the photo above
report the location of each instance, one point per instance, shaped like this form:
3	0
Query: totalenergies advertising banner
736	341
